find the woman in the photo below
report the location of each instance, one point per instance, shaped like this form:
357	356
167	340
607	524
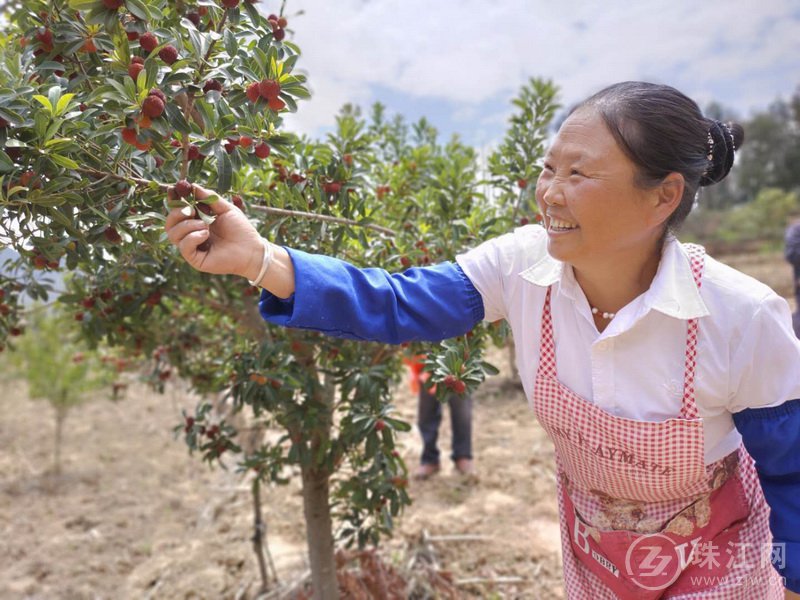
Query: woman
651	366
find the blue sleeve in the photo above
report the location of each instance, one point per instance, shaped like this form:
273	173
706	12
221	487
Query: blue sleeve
336	298
772	437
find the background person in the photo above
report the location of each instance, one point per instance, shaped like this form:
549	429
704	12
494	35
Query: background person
429	419
659	373
792	253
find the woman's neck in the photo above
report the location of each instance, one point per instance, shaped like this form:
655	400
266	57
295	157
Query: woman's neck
614	283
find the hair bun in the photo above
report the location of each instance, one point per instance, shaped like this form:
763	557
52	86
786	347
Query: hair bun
723	140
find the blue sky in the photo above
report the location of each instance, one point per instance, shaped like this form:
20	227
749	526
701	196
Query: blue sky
459	62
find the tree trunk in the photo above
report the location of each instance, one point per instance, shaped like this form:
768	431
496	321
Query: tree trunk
61	414
316	497
319	533
259	529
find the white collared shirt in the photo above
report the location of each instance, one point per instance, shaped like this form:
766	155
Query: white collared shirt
747	353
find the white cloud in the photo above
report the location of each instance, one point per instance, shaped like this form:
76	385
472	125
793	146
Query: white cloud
742	53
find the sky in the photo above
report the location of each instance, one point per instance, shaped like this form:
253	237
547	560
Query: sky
460	62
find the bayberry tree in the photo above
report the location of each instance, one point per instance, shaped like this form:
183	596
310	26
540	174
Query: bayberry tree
105	105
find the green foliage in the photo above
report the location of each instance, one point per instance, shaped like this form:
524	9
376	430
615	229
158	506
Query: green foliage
55	361
78	196
765	218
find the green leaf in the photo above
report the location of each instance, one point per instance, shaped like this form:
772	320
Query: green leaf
224	170
6	164
176	119
199	43
82	4
11	116
63	103
63	161
231	46
54	94
44	102
138	9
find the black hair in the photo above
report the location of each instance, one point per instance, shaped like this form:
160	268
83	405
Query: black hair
663	131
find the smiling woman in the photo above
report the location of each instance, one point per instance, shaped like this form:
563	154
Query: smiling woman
667	381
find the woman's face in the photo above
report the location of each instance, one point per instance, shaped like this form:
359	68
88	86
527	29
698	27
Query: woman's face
593	212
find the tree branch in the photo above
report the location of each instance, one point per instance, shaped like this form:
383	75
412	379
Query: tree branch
281	212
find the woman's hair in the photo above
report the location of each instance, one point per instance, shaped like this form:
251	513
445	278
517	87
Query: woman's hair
663	131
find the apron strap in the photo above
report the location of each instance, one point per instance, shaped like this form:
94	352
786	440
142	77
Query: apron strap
547	349
689	406
547	355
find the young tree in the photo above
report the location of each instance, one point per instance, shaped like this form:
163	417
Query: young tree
107	103
58	367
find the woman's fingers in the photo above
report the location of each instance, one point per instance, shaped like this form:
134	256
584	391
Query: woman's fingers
177	232
188	246
176	215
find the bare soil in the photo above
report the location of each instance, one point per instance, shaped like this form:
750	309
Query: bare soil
134	516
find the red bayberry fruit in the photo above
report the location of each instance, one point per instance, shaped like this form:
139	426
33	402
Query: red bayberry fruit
132	35
524	221
148	41
380	425
89	46
88	302
459	387
276	104
112	235
153	106
129	135
45	38
79	316
405	261
212	85
522	183
272	18
282	22
113	4
169	54
189	424
332	187
252	92
237	201
230	3
204	208
262	150
159	94
194	18
269	88
138	60
175	143
348	159
279	34
449	381
154	298
194	152
183	189
245	141
230	146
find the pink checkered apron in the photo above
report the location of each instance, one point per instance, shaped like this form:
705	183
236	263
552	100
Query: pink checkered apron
642	516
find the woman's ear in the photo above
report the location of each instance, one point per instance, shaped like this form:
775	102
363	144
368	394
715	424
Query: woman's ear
669	194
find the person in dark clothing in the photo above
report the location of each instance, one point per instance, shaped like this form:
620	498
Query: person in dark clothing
792	253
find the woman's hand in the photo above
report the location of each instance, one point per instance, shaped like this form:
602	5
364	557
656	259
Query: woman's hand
228	246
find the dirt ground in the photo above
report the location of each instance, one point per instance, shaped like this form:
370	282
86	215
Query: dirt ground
134	516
